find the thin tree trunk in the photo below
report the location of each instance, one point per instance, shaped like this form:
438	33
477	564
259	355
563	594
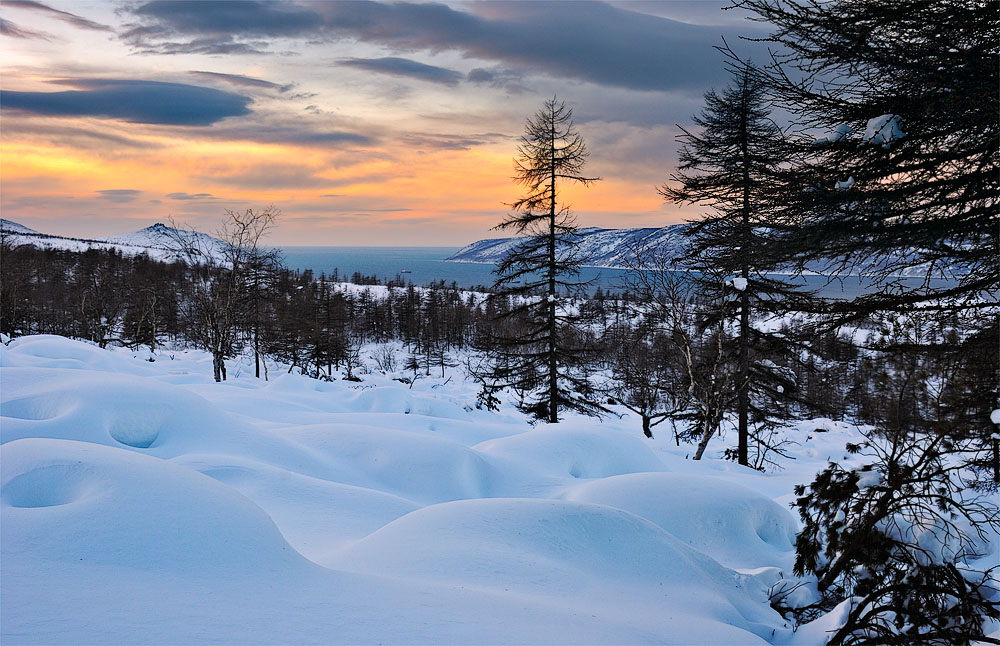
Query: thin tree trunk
703	442
553	368
743	371
743	377
996	460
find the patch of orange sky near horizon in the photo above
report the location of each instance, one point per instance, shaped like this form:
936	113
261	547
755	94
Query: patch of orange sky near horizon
467	188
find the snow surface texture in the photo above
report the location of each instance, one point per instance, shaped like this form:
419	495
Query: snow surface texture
143	503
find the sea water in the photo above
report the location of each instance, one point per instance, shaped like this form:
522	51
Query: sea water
426	265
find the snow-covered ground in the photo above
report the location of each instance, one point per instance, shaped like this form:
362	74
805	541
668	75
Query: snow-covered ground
144	503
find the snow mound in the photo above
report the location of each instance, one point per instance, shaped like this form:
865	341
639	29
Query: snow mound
733	524
147	415
399	399
47	351
103	409
414	466
151	514
143	499
315	516
575	453
589	552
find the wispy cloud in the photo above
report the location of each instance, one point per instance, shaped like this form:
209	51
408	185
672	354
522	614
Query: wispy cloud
8	28
190	196
405	67
498	77
65	16
119	194
243	81
80	137
271	176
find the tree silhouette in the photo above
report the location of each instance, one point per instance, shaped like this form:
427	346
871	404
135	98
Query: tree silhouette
537	347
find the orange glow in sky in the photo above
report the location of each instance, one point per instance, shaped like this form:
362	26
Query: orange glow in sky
379	138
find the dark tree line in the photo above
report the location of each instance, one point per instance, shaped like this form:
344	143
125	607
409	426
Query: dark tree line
301	320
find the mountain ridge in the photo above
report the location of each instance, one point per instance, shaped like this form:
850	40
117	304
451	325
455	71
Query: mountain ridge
616	249
158	241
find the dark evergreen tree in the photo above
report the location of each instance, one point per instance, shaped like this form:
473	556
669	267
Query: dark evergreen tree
890	539
906	179
734	166
536	352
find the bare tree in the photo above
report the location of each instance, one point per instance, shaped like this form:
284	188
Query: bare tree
223	269
703	393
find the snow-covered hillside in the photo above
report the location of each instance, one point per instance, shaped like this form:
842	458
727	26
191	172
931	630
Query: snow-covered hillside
11	227
158	241
142	502
598	247
616	248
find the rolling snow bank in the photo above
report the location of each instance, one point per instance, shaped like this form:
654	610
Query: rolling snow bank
141	502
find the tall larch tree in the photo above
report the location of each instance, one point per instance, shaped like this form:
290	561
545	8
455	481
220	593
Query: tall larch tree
539	346
733	165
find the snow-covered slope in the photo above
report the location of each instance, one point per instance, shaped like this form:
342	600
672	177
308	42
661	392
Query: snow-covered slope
157	241
597	247
141	502
617	248
11	227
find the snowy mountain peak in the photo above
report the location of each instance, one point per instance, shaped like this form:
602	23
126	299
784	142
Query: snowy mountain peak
9	226
158	241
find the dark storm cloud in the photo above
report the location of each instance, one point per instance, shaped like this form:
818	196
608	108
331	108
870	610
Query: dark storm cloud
120	194
404	67
132	101
65	16
257	17
242	81
595	42
8	28
589	41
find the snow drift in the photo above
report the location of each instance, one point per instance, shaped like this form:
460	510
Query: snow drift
140	502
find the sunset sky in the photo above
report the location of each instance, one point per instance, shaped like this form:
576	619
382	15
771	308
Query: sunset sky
364	123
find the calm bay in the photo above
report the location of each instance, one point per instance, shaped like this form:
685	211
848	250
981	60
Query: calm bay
425	265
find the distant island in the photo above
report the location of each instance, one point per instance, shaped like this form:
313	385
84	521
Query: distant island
616	248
